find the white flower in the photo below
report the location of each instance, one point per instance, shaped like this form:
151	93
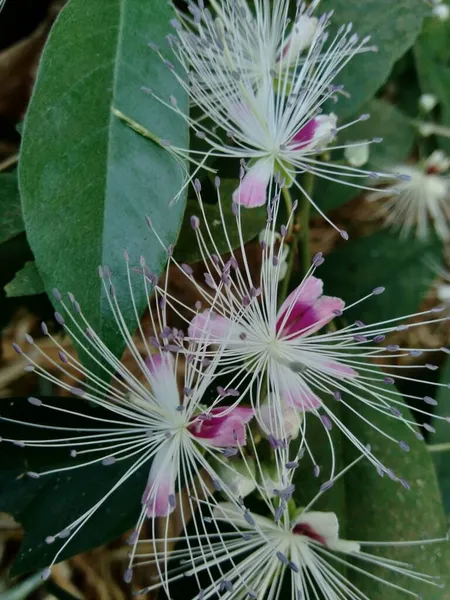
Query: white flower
287	353
358	155
424	195
264	86
149	422
250	556
427	102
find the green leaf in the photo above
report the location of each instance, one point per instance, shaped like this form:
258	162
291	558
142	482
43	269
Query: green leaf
49	504
87	179
432	53
378	509
393	27
385	122
11	220
26	282
382	259
440	439
252	222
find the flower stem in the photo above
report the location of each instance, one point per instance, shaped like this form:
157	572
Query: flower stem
300	235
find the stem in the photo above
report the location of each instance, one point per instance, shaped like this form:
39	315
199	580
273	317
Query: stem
300	236
439	447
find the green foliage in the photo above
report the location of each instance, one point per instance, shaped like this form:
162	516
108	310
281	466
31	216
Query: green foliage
26	282
252	222
385	122
47	505
432	53
378	509
440	439
11	221
87	180
381	259
393	27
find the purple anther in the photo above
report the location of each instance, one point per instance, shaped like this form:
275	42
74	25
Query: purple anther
326	421
404	446
378	290
209	281
326	486
17	348
195	222
35	401
77	391
392	347
187	269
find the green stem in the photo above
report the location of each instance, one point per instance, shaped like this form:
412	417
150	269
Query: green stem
300	235
444	447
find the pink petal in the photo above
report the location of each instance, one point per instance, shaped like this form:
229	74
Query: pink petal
253	187
209	324
223	427
340	370
300	396
159	494
323	527
304	135
317	132
305	311
299	300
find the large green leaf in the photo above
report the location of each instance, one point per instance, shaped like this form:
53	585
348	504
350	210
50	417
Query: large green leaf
87	180
47	505
385	122
432	53
379	509
440	439
382	259
11	221
393	27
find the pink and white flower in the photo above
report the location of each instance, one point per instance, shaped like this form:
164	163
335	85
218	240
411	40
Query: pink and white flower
147	421
263	559
295	353
263	81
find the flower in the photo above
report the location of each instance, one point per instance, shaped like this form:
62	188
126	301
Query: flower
265	86
286	353
251	556
427	102
424	195
149	421
357	156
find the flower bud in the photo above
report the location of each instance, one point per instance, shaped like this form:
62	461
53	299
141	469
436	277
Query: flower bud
427	102
441	12
270	418
438	162
300	39
357	156
238	476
